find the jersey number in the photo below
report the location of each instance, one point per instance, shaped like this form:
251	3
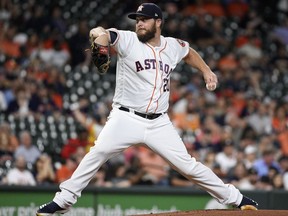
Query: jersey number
166	85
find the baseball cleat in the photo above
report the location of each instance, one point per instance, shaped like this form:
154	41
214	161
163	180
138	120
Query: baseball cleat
248	204
248	207
50	209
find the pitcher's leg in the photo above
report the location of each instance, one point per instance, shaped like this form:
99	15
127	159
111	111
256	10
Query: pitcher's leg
165	141
209	181
113	139
71	189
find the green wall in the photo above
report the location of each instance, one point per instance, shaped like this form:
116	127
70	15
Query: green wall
22	201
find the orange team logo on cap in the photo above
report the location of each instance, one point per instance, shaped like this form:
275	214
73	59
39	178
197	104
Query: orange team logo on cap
140	8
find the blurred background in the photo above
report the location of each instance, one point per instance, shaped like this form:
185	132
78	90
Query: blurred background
53	104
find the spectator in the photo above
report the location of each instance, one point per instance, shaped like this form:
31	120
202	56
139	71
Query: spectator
35	102
38	20
209	159
253	179
280	121
282	138
228	158
267	161
72	144
265	143
280	33
204	142
20	105
57	22
66	170
261	121
8	143
29	151
92	125
100	178
237	8
7	44
44	101
79	153
220	40
264	183
20	175
4	144
238	176
277	182
44	173
253	52
226	64
51	56
181	105
32	42
272	172
200	33
78	43
236	124
60	56
155	167
56	82
283	162
188	120
120	177
250	156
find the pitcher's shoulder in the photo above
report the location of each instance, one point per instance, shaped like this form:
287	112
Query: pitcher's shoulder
176	41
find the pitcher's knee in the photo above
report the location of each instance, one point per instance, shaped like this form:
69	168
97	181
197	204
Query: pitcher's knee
188	169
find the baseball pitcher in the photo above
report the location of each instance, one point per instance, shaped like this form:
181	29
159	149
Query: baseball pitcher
145	61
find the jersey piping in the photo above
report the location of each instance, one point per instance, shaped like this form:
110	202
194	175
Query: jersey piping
155	83
161	88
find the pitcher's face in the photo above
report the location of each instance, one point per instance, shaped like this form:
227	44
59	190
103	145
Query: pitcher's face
145	28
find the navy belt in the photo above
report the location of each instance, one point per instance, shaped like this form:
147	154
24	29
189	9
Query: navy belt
143	115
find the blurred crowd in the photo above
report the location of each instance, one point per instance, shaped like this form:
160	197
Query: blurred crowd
53	104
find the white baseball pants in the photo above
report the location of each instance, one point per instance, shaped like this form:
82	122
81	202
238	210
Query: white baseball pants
124	129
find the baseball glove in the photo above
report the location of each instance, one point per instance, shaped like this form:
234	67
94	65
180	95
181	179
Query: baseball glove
100	57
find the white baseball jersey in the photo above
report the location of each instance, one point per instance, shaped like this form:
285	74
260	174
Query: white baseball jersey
143	71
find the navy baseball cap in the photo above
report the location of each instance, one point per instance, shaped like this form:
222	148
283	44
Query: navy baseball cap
149	10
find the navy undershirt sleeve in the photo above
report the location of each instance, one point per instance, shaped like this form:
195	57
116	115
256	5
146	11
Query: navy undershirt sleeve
113	36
